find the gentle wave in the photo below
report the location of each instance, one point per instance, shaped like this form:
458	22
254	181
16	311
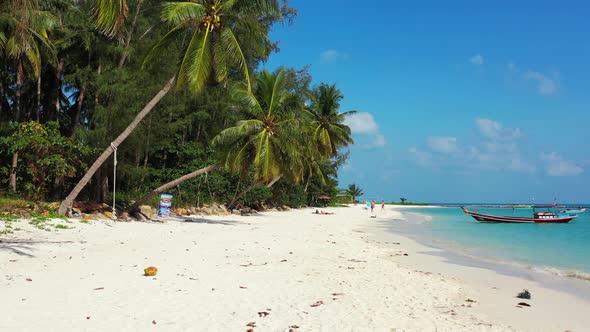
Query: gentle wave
562	273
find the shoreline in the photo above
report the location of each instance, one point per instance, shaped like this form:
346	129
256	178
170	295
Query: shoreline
463	256
493	281
282	271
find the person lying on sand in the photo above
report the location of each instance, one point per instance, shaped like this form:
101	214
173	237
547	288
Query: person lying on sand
322	212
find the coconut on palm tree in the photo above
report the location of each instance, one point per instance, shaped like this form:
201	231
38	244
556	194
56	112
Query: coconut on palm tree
211	53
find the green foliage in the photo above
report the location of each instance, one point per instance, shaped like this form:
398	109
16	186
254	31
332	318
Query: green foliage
288	194
8	217
91	87
46	157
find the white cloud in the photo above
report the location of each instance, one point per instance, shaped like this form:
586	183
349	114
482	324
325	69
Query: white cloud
545	85
442	144
333	56
379	141
362	123
496	150
495	131
477	60
517	164
422	158
556	166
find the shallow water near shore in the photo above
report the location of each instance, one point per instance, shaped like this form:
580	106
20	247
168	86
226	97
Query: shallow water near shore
551	249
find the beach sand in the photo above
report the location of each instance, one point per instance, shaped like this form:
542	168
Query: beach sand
277	271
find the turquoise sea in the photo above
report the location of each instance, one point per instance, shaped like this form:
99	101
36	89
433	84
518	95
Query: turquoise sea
562	249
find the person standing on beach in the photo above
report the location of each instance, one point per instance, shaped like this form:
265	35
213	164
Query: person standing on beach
372	206
382	205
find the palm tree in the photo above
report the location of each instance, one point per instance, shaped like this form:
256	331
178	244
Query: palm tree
266	143
25	40
403	200
328	128
354	191
212	52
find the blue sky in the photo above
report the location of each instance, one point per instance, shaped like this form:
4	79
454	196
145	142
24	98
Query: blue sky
459	101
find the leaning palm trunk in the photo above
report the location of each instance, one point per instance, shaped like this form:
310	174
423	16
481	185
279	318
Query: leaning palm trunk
67	203
172	184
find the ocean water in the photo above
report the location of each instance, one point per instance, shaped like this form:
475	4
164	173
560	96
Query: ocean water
562	249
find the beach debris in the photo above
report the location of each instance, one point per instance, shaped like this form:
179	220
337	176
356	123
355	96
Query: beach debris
29	279
246	265
251	324
292	328
283	261
406	255
99	288
150	271
524	304
87	317
263	314
470	301
356	261
525	294
243	287
154	322
317	304
337	294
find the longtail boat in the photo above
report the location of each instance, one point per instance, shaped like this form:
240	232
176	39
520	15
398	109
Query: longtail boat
547	217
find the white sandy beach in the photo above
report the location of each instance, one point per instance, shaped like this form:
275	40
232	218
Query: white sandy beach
280	271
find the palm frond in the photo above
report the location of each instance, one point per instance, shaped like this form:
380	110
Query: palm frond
155	51
254	7
34	57
110	16
177	13
234	54
2	40
277	89
196	63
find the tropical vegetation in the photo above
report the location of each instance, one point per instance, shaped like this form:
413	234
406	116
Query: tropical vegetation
175	90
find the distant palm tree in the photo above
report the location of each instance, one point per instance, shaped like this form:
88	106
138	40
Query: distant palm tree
328	128
403	200
212	52
354	191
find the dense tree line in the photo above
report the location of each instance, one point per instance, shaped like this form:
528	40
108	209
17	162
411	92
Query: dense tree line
175	89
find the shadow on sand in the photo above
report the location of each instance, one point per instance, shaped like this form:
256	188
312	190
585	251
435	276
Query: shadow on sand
209	221
23	247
